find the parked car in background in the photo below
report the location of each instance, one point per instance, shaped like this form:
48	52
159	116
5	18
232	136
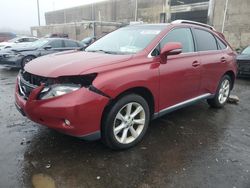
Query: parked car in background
17	42
125	79
5	36
243	61
57	35
87	41
18	57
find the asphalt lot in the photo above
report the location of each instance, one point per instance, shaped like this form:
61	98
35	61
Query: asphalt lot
193	147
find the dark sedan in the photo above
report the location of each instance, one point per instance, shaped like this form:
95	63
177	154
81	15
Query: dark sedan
243	61
18	57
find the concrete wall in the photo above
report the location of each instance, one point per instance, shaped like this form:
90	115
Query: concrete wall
237	23
77	31
112	11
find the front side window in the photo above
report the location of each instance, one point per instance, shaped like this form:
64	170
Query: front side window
181	35
127	40
205	40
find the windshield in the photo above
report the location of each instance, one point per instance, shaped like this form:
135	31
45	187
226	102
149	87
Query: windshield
246	51
127	40
39	43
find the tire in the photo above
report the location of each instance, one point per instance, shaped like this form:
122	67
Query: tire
126	122
222	93
26	60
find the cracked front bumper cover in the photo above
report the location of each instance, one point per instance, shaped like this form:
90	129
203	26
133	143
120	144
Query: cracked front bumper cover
82	108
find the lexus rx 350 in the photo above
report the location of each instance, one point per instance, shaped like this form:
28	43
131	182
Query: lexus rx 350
122	81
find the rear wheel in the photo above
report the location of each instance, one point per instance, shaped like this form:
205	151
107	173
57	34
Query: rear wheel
126	122
26	60
222	93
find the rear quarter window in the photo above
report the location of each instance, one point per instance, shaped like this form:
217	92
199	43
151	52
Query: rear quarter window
221	44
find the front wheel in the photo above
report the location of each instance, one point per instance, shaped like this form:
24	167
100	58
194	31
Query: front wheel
126	122
222	93
26	60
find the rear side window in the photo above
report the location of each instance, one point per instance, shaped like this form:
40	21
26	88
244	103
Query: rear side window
56	44
205	40
182	35
69	43
221	44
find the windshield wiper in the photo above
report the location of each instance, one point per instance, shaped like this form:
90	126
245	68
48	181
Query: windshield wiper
103	51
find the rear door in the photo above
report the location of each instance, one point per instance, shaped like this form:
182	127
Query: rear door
180	75
71	45
213	60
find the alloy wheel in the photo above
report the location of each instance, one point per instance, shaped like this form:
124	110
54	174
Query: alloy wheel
129	123
224	91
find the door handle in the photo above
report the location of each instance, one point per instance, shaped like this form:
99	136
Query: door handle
196	64
223	60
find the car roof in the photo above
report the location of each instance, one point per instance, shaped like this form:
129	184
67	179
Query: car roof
51	39
149	26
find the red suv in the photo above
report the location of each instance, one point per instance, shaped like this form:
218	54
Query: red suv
122	81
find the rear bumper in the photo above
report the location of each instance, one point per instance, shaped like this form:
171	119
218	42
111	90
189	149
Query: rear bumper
82	108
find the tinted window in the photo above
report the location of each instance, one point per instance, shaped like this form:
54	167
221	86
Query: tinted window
205	40
24	40
221	44
69	43
246	50
31	39
182	35
56	44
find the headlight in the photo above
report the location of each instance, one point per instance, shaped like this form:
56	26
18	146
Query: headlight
10	55
58	90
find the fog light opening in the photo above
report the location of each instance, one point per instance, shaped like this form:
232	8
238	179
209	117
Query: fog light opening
67	122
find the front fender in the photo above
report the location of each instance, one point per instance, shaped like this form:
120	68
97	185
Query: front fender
115	82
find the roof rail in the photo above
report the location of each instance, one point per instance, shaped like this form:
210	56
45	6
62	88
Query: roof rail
194	23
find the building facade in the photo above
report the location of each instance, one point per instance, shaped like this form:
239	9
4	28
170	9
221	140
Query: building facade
227	16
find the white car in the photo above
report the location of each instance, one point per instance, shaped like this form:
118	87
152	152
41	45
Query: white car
17	42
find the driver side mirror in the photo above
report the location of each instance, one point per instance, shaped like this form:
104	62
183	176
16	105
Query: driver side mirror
171	48
48	47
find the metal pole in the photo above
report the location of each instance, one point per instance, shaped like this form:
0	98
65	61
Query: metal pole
211	12
136	10
168	11
38	12
224	18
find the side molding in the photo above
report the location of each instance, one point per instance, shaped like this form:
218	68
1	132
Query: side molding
182	105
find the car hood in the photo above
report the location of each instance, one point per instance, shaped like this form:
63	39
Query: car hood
4	44
71	63
243	57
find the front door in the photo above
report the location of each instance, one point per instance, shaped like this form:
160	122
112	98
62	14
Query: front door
180	75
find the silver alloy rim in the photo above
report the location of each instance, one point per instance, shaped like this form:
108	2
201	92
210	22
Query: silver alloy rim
129	123
224	91
27	60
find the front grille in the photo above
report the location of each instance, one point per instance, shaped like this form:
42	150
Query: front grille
28	82
244	64
25	88
33	79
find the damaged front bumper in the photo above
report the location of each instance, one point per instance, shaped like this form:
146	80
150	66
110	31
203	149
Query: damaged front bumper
77	113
